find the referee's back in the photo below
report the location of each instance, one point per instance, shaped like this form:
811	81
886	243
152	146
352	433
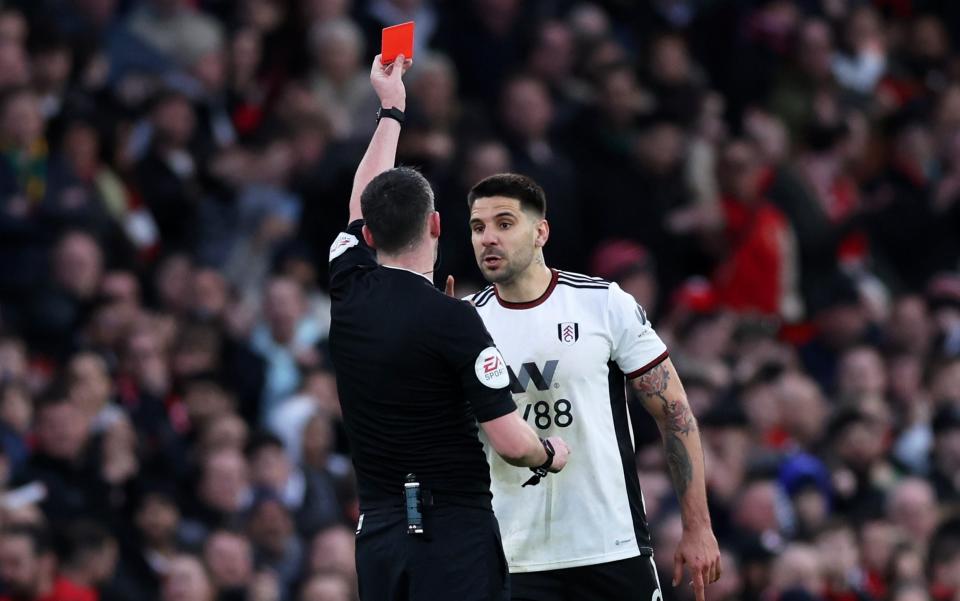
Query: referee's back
416	370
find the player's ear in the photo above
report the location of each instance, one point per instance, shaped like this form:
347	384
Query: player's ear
543	234
433	222
368	237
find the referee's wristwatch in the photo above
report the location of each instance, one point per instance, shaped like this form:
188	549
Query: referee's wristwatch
541	471
390	113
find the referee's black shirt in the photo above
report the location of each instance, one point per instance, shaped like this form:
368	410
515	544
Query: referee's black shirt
416	370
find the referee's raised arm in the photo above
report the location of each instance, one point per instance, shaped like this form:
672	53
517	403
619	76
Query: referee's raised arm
382	152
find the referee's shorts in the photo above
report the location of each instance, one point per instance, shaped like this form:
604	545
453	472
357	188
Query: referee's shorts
458	557
633	579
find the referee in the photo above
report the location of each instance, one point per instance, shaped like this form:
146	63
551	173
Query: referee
416	371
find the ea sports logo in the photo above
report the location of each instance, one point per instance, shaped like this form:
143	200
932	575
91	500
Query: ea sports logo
343	242
490	368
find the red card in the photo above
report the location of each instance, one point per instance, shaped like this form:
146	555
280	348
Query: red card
397	40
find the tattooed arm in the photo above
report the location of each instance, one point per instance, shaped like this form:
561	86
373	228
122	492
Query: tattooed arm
662	394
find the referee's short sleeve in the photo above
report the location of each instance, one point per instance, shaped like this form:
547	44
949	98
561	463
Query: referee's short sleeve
349	256
482	370
636	346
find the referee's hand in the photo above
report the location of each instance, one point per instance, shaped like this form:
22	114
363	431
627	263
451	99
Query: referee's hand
562	453
387	82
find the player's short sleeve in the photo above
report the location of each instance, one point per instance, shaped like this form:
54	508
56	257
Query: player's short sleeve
481	368
349	256
636	346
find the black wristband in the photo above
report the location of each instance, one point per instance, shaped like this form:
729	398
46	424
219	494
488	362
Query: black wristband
541	471
390	113
551	452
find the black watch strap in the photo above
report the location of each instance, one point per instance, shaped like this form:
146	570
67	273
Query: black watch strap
540	472
390	113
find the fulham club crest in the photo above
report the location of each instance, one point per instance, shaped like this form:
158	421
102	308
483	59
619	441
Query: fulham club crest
568	332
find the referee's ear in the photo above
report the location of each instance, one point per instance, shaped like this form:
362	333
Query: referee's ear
368	237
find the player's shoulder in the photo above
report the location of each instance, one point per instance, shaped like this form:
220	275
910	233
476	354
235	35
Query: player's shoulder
483	297
594	293
579	281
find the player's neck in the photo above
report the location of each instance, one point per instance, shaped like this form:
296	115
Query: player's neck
528	286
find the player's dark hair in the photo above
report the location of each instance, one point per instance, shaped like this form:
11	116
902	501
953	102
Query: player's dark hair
395	205
511	185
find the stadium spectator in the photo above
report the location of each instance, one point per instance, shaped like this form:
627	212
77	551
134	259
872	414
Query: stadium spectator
332	550
277	547
186	579
341	82
157	534
90	559
223	491
65	460
326	587
946	454
228	556
29	569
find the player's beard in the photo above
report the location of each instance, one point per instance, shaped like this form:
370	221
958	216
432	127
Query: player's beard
511	267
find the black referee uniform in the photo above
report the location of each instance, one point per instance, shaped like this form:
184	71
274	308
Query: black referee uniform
409	370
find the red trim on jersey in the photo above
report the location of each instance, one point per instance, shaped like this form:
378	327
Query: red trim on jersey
637	373
529	305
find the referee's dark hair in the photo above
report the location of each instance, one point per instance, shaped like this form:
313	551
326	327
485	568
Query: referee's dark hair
395	206
511	185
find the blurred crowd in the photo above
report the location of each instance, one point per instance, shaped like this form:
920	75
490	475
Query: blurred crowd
776	181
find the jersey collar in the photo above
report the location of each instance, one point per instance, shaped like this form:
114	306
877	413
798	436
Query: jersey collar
534	303
408	270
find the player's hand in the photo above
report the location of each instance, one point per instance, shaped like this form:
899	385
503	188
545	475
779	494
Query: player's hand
562	453
388	83
448	289
699	550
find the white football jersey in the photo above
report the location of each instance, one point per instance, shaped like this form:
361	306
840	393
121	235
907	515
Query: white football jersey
569	354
